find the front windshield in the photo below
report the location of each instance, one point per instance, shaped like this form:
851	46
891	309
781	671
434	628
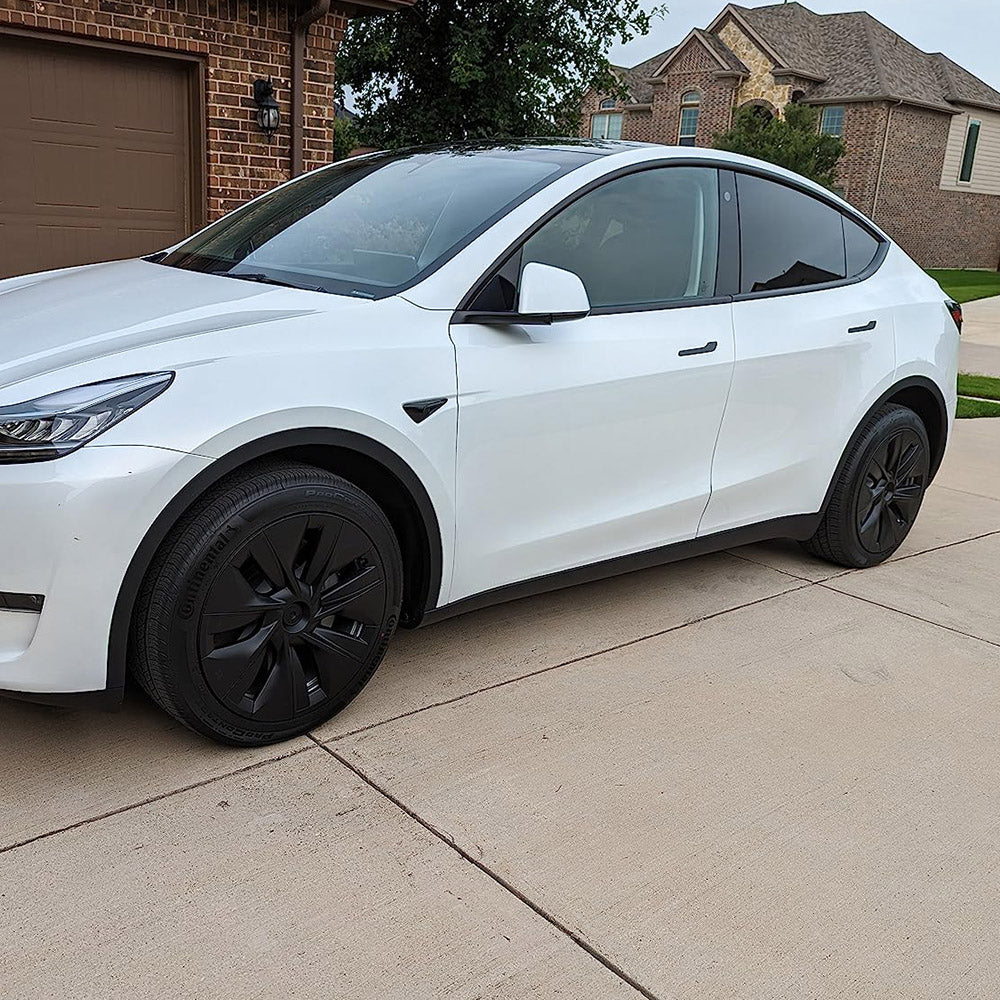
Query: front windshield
376	225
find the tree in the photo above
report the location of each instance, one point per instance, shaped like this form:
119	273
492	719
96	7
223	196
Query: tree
345	138
445	71
793	142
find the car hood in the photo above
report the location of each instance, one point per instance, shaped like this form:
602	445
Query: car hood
51	321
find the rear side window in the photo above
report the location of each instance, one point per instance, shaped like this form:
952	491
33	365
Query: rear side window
788	239
861	247
644	239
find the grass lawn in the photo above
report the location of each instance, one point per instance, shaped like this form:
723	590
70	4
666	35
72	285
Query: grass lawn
968	408
966	286
979	385
985	388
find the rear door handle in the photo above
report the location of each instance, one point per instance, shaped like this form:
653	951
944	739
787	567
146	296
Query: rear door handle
707	349
867	328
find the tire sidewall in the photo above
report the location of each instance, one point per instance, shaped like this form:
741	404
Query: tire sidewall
203	564
883	426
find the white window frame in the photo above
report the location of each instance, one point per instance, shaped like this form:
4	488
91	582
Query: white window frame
843	117
601	125
690	101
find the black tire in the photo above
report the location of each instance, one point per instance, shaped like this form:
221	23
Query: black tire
878	493
270	605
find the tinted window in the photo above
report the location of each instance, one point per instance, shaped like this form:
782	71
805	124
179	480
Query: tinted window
788	239
646	238
861	247
372	225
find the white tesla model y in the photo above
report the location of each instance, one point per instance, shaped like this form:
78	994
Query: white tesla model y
414	383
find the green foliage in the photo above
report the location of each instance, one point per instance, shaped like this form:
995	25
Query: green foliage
982	386
443	71
793	142
967	286
345	138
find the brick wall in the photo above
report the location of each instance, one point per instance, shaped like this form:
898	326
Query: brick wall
857	172
937	228
238	41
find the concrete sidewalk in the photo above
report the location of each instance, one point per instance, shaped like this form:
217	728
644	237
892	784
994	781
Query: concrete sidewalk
980	351
749	775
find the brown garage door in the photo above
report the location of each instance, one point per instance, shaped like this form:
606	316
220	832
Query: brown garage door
95	154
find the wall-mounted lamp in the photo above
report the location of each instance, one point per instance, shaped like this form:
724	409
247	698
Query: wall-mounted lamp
268	112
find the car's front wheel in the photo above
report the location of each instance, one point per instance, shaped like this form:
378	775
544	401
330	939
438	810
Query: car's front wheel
878	492
270	605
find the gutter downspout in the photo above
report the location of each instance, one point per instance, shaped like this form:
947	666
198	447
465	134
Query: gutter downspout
881	163
300	28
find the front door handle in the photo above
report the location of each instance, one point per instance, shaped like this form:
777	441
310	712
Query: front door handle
707	349
867	328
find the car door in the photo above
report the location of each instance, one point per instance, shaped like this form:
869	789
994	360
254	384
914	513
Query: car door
592	438
814	340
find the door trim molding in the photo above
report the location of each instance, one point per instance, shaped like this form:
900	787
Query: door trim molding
798	527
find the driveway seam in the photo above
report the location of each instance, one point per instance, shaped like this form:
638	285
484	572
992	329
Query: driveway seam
537	909
558	666
915	617
155	798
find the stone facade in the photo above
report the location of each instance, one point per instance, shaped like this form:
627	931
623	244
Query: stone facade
760	85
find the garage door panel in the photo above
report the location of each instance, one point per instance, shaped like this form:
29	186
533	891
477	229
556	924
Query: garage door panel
96	153
65	175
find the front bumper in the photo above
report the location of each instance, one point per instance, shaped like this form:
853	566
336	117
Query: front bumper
68	531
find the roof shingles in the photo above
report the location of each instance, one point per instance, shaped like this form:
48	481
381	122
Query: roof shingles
855	56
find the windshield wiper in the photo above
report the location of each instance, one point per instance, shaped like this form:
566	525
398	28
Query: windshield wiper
266	279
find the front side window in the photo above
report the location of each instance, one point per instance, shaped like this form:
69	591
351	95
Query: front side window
373	225
645	239
690	112
788	239
969	156
832	122
606	126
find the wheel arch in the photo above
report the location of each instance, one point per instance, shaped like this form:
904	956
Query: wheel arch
370	465
924	397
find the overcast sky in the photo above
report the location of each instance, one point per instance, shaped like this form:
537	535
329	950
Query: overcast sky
966	30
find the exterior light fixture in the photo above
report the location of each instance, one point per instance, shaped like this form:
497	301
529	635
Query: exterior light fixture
268	112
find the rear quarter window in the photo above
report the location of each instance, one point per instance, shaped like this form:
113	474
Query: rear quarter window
788	239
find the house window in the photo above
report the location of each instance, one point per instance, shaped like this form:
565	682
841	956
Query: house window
833	121
608	105
690	110
605	126
971	143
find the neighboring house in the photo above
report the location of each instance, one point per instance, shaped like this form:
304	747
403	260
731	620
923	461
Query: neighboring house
128	125
923	134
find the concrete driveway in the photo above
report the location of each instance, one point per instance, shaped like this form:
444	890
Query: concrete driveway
749	775
980	352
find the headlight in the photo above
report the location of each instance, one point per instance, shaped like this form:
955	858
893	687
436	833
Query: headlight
55	425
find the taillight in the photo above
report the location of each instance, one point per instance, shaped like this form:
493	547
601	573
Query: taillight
955	309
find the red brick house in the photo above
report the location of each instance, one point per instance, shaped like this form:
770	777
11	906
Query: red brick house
923	134
126	125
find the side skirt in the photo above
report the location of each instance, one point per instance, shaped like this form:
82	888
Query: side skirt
798	527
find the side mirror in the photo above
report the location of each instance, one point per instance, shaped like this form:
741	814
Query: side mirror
549	294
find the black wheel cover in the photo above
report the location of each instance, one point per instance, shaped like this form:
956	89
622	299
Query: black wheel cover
891	491
292	617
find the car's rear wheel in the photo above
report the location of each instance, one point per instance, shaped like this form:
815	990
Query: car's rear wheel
270	606
878	492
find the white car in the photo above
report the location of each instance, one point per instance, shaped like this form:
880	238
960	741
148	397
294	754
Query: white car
415	383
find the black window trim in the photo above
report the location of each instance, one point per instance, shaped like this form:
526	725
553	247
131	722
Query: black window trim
846	211
727	288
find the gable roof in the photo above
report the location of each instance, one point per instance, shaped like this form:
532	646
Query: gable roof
859	57
636	78
846	57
